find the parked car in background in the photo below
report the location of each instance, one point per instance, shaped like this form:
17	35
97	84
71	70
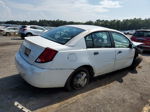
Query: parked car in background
8	31
31	30
1	29
142	36
69	56
129	32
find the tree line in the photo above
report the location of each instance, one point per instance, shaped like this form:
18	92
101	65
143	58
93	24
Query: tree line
126	24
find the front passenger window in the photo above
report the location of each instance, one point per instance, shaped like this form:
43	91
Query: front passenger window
120	40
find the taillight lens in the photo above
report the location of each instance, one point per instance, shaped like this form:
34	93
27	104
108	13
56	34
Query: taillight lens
24	29
46	56
1	30
133	38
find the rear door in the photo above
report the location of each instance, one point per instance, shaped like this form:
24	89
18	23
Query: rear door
41	30
35	30
124	54
100	52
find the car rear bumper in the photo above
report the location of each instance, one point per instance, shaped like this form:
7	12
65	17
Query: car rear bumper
42	78
145	47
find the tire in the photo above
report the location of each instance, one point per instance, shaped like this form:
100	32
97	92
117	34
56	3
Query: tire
29	34
133	65
22	38
8	34
78	79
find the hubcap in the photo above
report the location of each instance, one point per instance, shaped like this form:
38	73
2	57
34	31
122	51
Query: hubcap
80	80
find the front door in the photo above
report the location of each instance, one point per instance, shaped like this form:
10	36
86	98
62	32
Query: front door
124	54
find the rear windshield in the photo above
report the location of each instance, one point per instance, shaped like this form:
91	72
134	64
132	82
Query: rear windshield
62	34
23	26
142	34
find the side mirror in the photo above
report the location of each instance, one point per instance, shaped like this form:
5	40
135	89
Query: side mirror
131	46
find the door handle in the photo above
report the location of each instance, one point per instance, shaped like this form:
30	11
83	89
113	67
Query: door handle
119	52
96	53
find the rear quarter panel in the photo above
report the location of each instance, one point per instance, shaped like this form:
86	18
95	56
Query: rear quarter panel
71	58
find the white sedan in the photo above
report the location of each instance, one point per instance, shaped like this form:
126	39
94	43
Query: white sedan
69	56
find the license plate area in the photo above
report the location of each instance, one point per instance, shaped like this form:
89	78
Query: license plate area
27	51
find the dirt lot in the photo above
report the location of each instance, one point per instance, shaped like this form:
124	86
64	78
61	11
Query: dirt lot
122	91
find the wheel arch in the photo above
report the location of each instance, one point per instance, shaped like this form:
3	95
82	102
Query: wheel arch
7	33
29	33
88	67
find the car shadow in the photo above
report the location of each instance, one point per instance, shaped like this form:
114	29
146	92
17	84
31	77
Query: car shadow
16	38
14	88
133	69
146	53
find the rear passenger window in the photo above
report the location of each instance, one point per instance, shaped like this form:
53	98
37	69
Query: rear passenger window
40	28
98	40
33	27
89	41
139	34
147	34
101	39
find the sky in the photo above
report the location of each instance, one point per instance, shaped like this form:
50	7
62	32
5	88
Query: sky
73	10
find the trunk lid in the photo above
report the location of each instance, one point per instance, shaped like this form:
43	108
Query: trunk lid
144	40
33	46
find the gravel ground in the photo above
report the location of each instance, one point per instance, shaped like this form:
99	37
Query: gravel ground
122	91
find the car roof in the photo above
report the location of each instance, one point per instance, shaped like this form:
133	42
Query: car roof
30	25
92	27
11	27
88	29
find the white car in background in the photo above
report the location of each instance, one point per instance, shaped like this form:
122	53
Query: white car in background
69	56
31	30
129	32
9	31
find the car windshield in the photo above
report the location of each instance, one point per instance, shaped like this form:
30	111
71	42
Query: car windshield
142	34
62	34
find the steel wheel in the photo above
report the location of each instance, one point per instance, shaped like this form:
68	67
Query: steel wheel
80	79
8	34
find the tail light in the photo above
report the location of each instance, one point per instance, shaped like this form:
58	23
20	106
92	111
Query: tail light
1	30
133	38
24	29
46	56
